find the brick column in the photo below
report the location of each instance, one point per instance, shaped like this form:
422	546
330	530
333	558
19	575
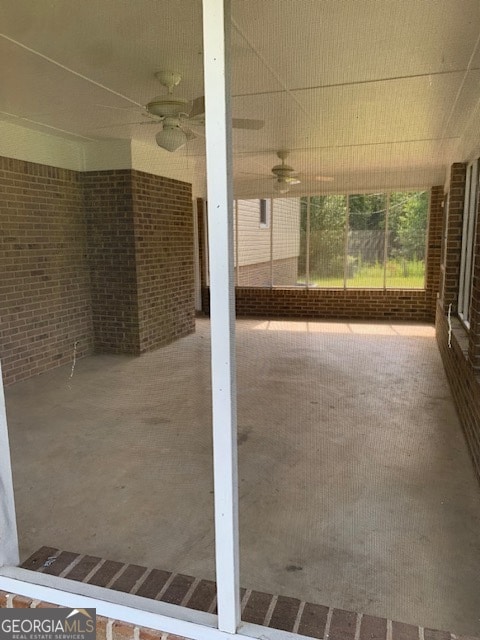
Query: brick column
453	246
474	333
434	247
108	205
140	240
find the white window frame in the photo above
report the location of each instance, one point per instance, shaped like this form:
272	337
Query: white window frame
127	607
468	239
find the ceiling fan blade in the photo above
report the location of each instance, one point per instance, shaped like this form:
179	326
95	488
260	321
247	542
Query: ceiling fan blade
198	107
197	121
247	123
109	106
126	124
198	113
191	135
292	180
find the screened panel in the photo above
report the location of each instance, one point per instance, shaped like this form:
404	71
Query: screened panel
108	382
288	240
406	248
328	218
366	241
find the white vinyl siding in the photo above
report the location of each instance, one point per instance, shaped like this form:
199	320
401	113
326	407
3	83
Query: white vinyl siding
254	241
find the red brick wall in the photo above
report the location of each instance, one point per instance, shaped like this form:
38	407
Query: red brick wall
106	628
461	358
44	284
434	247
140	234
464	381
163	221
108	202
334	303
365	304
102	259
453	232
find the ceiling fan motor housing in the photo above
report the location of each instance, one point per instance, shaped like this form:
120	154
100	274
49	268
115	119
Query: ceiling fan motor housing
283	170
168	107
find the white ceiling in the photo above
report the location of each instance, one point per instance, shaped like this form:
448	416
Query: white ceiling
370	92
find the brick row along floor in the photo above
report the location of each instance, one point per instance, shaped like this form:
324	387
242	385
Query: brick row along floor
279	612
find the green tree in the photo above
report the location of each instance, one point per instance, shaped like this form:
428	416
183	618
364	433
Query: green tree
367	212
327	233
407	224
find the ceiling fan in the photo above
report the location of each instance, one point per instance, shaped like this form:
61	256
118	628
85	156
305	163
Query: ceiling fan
177	115
285	175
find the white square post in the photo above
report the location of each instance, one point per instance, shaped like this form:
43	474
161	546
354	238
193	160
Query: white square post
216	38
8	524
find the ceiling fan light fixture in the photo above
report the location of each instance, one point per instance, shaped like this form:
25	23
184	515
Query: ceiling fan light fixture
281	186
171	138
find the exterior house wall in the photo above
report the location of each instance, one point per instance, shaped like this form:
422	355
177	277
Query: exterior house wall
44	285
281	236
252	245
254	241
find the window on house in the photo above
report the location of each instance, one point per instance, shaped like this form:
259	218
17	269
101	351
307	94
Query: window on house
265	213
468	238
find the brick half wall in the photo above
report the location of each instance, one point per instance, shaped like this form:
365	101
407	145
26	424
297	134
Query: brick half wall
362	304
463	379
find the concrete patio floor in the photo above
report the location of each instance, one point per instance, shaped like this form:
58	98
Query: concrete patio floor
356	489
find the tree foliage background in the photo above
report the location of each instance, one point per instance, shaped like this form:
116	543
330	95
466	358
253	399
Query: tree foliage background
365	242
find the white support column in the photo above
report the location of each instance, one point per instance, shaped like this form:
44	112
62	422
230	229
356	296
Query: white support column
216	37
8	524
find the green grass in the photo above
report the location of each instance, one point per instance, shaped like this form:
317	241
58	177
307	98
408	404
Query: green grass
400	275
